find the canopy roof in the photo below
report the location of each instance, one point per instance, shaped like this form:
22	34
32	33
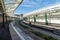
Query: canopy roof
9	6
46	9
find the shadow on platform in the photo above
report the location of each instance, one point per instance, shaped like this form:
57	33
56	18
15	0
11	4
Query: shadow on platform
4	31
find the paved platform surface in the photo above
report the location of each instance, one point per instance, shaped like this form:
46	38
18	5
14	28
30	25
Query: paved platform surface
13	33
17	33
4	32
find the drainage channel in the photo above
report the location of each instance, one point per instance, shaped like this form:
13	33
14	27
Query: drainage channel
20	33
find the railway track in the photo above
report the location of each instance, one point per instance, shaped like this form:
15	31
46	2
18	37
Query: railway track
52	30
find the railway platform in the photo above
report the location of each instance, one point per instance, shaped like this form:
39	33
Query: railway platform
4	32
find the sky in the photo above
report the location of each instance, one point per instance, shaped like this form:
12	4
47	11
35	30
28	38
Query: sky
31	5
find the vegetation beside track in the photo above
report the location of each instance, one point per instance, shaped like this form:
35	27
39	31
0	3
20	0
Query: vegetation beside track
44	36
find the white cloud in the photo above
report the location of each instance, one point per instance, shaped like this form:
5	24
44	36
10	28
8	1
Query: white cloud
34	3
27	5
31	3
38	0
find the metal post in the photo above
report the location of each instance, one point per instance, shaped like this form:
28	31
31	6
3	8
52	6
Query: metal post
34	19
3	20
50	18
6	19
46	22
29	19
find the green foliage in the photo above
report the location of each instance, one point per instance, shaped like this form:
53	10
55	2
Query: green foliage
44	36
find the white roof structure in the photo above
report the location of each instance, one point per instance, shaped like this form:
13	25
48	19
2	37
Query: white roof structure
10	6
54	7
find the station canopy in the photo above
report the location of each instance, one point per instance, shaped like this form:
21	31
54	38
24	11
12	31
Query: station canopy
10	6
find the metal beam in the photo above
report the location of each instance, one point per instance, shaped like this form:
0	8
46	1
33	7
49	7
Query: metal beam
3	5
18	5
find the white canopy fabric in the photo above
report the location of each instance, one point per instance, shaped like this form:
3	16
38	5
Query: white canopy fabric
11	5
39	11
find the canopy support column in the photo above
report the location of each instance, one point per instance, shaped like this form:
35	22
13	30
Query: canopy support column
6	19
46	22
3	20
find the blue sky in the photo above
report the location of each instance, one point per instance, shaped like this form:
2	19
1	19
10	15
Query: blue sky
31	5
